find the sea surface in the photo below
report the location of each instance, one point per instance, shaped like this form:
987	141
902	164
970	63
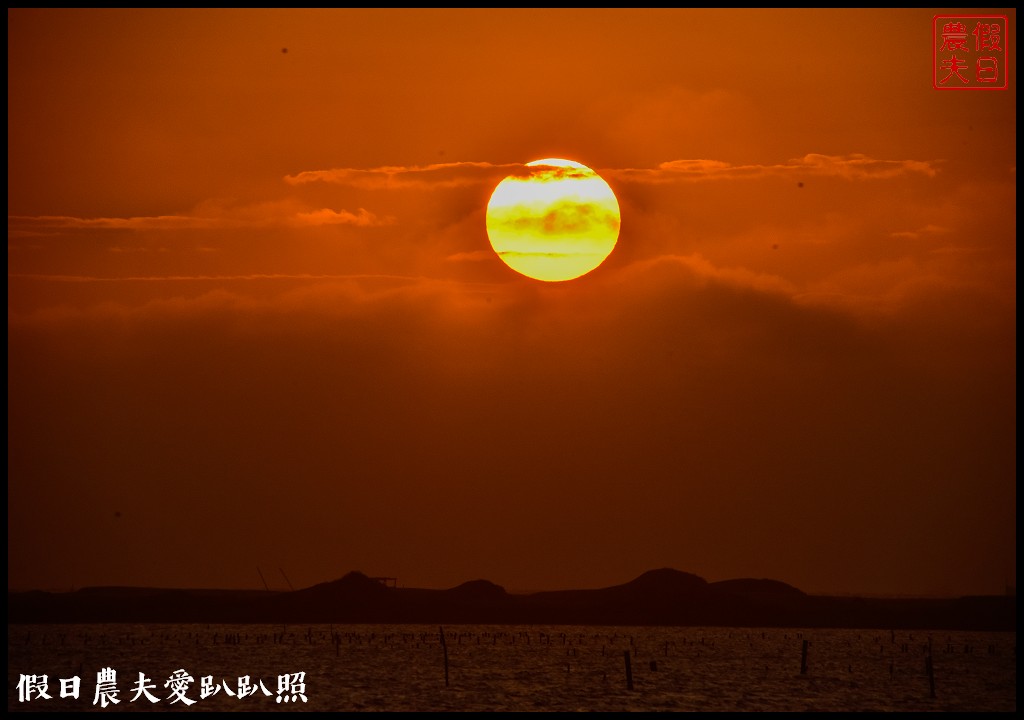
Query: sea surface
259	668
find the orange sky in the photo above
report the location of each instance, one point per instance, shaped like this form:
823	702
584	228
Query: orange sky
254	319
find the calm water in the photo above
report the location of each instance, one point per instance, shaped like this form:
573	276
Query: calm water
532	668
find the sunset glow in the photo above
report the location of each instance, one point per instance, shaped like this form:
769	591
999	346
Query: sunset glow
545	297
557	222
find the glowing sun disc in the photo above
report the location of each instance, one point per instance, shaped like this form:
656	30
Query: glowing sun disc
556	221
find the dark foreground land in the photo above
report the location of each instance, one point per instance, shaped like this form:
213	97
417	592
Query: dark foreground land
659	597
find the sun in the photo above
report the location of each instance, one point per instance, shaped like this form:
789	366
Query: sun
557	220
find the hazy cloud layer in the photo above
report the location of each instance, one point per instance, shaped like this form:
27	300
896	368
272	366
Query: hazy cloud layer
853	167
228	218
429	177
850	167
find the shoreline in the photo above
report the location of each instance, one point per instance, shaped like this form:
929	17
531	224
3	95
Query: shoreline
657	598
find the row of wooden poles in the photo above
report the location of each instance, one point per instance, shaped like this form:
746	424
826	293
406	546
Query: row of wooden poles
805	644
426	639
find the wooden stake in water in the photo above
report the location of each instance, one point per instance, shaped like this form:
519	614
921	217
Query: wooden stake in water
930	669
629	670
444	645
803	659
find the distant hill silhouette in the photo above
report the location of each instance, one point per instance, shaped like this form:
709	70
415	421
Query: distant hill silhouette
667	580
764	587
353	581
664	597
